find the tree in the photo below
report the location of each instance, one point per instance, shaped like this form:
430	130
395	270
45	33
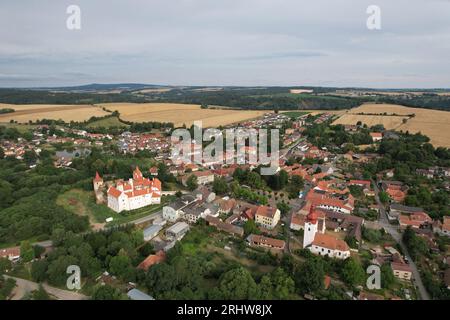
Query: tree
295	185
250	227
40	294
2	153
39	270
106	292
238	284
283	207
5	264
309	277
352	272
220	186
384	197
26	251
120	266
192	182
387	276
283	285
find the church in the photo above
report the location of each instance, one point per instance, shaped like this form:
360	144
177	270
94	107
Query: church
133	194
315	239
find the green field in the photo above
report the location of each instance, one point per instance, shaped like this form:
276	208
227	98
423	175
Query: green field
294	114
107	123
22	128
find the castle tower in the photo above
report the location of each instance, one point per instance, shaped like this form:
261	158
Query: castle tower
97	181
311	225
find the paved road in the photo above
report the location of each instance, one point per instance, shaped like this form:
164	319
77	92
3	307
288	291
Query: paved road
25	286
384	222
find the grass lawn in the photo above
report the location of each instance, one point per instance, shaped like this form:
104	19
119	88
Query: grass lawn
82	203
107	123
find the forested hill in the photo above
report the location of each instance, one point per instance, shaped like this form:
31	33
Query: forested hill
260	98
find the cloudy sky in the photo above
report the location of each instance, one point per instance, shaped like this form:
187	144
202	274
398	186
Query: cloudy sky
226	42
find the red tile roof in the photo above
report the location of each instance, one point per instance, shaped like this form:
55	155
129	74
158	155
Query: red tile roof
330	242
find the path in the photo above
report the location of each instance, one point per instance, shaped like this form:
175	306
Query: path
25	286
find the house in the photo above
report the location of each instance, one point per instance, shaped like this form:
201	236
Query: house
418	214
135	294
192	214
321	243
136	193
12	254
395	189
173	211
152	259
177	231
151	232
401	270
414	220
203	194
267	217
265	242
153	171
226	205
376	136
226	227
203	177
442	228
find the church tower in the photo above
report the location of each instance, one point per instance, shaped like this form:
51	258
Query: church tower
310	229
97	181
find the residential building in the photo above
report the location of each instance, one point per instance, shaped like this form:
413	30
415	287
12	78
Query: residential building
152	259
267	217
401	270
12	254
265	242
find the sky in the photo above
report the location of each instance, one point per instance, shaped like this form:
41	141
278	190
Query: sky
226	42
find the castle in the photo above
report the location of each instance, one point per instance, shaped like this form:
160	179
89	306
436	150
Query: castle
133	194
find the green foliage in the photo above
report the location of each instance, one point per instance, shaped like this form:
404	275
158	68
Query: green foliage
5	264
250	227
388	279
309	277
352	272
26	251
237	284
192	182
416	245
106	292
40	294
6	287
220	186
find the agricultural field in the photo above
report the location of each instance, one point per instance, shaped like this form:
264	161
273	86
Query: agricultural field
433	123
25	113
180	114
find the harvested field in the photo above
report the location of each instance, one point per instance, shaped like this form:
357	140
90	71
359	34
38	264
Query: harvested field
68	113
180	114
433	123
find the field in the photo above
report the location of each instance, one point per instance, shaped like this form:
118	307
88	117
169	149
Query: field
107	123
180	114
68	113
433	123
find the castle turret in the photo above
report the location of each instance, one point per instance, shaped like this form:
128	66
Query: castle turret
137	174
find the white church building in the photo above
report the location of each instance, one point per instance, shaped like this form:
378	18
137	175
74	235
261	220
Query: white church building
135	193
320	243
